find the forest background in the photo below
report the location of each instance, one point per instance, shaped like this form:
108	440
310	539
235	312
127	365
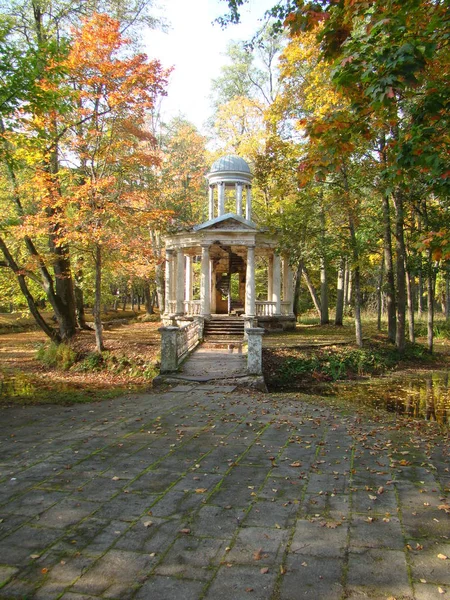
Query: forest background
340	107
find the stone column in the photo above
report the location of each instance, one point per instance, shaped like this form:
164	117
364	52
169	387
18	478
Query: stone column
288	281
270	279
221	203
169	279
180	282
213	288
250	300
254	350
188	279
205	283
277	283
211	203
169	358
248	204
239	199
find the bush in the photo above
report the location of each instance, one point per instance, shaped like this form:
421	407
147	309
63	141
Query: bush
60	356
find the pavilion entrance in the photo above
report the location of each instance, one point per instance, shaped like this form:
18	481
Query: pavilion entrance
228	247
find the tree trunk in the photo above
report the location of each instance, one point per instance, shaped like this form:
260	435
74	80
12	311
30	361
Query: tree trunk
339	316
81	315
346	283
410	295
389	268
420	297
379	295
447	294
49	331
356	282
60	293
324	314
311	288
159	269
98	327
298	283
430	293
149	299
400	263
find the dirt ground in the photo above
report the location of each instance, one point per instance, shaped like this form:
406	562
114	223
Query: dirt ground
131	351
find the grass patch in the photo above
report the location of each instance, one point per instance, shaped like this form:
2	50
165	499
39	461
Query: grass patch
297	362
59	356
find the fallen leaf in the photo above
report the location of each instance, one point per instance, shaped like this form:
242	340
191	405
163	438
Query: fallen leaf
201	490
441	591
185	531
258	554
34	556
148	523
283	570
442	556
296	464
264	570
115	478
423	581
249	589
304	564
44	570
445	507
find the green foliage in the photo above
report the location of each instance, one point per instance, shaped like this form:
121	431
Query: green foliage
60	356
106	361
441	329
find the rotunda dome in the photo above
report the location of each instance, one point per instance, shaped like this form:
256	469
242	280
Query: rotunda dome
231	163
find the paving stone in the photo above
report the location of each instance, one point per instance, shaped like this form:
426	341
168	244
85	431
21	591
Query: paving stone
319	538
377	533
116	568
242	582
271	514
17	589
312	577
425	563
262	459
191	557
6	573
267	545
183	388
168	588
378	574
215	521
67	512
426	591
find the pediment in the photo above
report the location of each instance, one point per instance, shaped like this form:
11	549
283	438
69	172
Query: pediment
228	222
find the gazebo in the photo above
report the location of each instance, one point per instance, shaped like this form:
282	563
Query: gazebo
210	268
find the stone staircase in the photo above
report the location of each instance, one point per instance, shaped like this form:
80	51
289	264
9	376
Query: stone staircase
224	329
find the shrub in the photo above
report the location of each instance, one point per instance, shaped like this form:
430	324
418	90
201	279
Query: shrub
60	356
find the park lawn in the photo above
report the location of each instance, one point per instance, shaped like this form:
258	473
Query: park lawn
129	363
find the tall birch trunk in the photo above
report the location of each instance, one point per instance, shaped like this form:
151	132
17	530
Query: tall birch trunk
389	267
400	265
430	293
379	295
410	294
311	289
339	316
297	289
98	327
324	314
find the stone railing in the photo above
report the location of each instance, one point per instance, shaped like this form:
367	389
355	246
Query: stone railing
177	342
192	307
188	337
268	309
